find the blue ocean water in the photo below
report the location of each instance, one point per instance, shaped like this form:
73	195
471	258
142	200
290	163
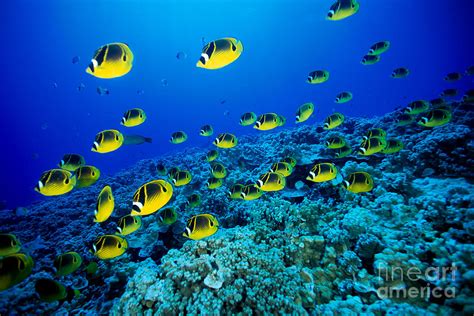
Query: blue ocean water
46	116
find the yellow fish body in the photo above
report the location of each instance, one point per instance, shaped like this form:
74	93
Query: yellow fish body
218	170
167	216
201	226
417	107
393	146
51	291
14	268
342	9
161	169
453	76
206	130
212	155
178	137
107	141
172	172
236	191
220	53
333	121
109	246
194	200
128	224
374	132
317	76
271	181
283	168
225	140
304	112
111	61
67	263
358	182
71	162
133	117
105	205
335	142
150	197
322	172
214	183
181	178
86	176
401	72
251	192
248	119
342	152
405	119
370	60
267	122
379	48
9	244
343	97
449	93
292	161
55	182
372	146
434	118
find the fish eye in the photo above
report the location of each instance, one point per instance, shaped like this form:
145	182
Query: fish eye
116	137
66	181
119	245
330	13
93	173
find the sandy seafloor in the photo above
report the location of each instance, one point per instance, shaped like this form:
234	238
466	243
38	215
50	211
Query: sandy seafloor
309	249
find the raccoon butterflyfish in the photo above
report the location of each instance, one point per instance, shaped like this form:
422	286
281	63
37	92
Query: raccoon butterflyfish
358	182
178	137
218	170
335	142
67	263
213	183
167	216
128	224
248	119
437	102
161	169
372	146
401	72
374	132
342	152
86	176
111	61
181	178
105	205
333	121
322	172
206	130
342	9
449	93
290	160
405	119
267	122
225	140
304	112
283	168
393	146
235	191
14	268
133	117
71	162
453	76
379	48
417	107
109	246
343	97
434	118
107	141
151	196
220	53
55	182
271	181
9	244
201	226
212	155
172	171
318	76
194	200
370	59
51	291
251	192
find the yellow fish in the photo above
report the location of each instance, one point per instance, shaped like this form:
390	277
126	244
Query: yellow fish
150	197
333	121
86	176
374	132
71	162
417	107
290	160
225	140
67	263
248	119
304	112
51	291
178	137
194	200
271	181
322	172
111	61
267	122
206	130
342	152
342	9
181	178
167	216
55	182
218	170
201	226
220	53
236	191
318	76
343	97
109	246
251	192
14	268
370	60
107	141
105	205
214	183
172	172
449	93
372	146
128	224
436	117
133	117
212	155
453	76
335	142
283	168
405	119
161	169
379	48
358	182
401	72
393	146
9	244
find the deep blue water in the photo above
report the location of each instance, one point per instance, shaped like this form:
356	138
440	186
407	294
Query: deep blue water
283	41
